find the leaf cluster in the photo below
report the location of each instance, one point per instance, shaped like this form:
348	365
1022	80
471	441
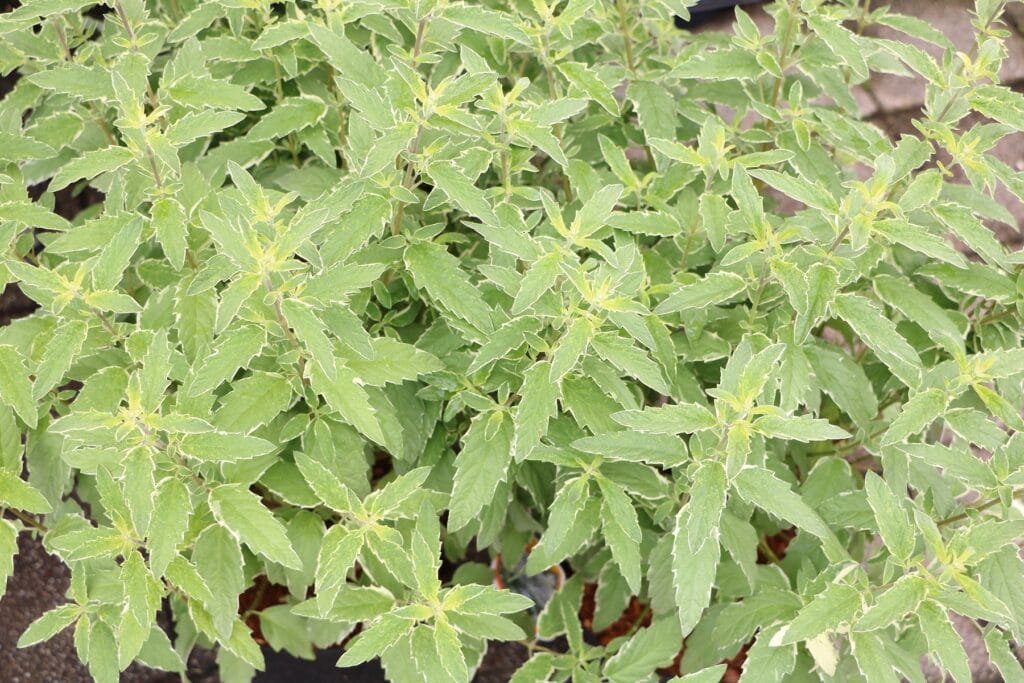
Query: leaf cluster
376	292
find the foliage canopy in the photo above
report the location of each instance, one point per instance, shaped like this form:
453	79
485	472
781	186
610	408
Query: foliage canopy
377	283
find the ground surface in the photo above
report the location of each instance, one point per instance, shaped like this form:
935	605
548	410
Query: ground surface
39	580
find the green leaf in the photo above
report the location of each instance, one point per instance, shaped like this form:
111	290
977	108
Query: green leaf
722	64
290	115
588	83
242	513
844	380
536	282
253	401
1001	654
660	449
621	531
355	64
922	191
655	108
338	552
872	658
646	223
61	350
831	608
219	567
880	334
8	549
15	386
487	21
707	502
650	648
572	519
376	640
346	395
798	428
109	268
32	214
537	405
172	507
713	289
20	495
918	239
958	463
999	103
711	674
767	662
90	165
23	148
462	192
621	353
844	44
969	229
893	524
571	347
920	411
50	624
441	275
393	363
234	350
762	488
821	288
328	488
311	332
904	597
208	93
200	124
922	309
481	465
222	447
943	640
449	649
594	213
171	228
803	190
693	574
683	418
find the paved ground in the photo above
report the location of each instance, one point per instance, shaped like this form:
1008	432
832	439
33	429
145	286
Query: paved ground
890	102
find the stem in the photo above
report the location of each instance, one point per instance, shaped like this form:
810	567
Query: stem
151	158
421	31
534	646
838	240
991	318
150	95
28	520
554	94
260	592
107	324
413	149
977	507
70	58
767	550
626	38
861	23
407	180
784	50
762	281
283	322
847	446
970	57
